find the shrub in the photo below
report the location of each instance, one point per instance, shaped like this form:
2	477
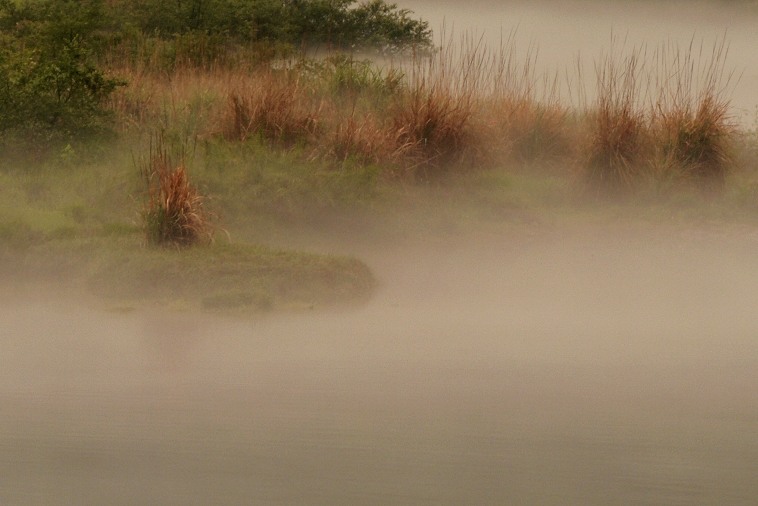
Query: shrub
338	23
373	24
52	90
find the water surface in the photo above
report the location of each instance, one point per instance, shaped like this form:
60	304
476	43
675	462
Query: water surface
591	369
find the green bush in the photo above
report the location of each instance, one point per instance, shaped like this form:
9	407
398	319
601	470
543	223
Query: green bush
338	23
51	90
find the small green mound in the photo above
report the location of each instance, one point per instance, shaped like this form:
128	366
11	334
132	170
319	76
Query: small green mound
235	300
219	277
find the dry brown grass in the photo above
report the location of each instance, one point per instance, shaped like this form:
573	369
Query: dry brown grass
174	213
525	118
663	116
617	149
418	119
432	128
532	131
361	138
444	119
697	144
692	119
189	101
657	116
276	107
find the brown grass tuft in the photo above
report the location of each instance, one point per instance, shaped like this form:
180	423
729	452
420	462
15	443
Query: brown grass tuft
698	142
433	127
692	118
617	146
433	120
277	108
530	131
174	213
363	139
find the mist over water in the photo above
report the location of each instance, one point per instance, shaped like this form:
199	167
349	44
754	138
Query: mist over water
601	364
554	368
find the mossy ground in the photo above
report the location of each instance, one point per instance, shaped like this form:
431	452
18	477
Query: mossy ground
78	226
120	272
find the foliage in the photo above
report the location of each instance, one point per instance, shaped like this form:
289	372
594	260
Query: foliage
51	90
371	24
53	24
53	86
336	22
346	75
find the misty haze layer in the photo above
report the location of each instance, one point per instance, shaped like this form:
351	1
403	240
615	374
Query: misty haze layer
564	31
601	364
596	367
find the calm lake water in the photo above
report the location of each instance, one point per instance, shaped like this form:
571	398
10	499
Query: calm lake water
591	368
553	370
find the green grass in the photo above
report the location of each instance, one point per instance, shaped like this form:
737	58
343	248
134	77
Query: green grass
120	271
80	226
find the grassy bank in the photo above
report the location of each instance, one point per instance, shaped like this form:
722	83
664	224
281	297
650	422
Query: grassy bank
659	117
186	166
79	227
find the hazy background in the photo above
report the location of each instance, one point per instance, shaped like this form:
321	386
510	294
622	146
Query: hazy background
611	362
565	30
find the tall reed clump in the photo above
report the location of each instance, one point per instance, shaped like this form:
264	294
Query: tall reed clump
469	105
525	107
431	128
664	118
275	106
174	214
432	121
619	136
692	117
354	97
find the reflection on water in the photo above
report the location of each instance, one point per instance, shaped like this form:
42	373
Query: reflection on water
553	373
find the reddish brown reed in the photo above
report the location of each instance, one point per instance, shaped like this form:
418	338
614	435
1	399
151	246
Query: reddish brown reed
618	142
174	213
276	107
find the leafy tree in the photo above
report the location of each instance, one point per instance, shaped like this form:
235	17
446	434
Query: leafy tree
50	87
338	22
374	23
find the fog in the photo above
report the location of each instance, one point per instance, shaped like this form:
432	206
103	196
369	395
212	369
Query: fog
610	363
603	366
562	31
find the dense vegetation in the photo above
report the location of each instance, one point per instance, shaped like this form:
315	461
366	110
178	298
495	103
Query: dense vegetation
56	55
142	121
